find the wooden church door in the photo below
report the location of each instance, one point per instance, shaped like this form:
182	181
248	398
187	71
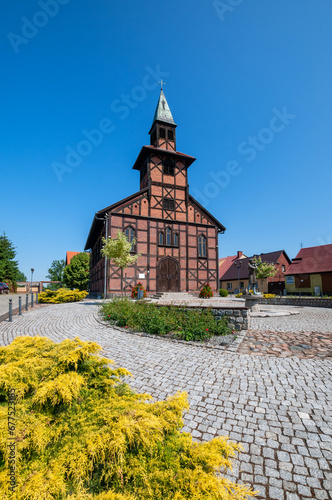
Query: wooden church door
168	275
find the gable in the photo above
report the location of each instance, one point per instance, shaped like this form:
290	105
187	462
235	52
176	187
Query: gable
197	213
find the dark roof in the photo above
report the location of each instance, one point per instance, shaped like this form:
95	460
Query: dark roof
217	223
96	223
232	272
146	151
312	260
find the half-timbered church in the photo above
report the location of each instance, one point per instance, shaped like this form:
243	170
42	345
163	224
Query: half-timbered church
176	237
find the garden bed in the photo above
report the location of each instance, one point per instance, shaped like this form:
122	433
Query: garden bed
173	322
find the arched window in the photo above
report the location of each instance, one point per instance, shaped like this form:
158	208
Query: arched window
161	238
176	240
130	235
201	246
168	236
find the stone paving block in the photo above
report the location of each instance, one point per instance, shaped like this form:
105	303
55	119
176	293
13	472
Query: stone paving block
262	401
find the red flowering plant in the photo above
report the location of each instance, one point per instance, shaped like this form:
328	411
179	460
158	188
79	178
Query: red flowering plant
206	292
135	289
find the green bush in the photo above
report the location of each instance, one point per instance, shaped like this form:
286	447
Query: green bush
82	434
61	295
223	293
186	324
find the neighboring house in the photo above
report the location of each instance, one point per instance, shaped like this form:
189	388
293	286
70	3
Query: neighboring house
176	237
69	256
225	263
235	278
311	271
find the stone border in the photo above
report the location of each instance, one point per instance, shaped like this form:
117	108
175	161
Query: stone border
297	301
233	347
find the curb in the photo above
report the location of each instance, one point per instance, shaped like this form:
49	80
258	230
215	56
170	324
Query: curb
233	347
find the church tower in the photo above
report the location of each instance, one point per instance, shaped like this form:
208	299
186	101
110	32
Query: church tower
176	237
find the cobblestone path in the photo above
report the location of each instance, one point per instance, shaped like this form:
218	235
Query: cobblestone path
279	408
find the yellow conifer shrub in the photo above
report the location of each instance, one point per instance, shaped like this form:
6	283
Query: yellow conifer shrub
83	434
61	295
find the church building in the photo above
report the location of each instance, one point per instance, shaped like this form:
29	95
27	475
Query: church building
176	236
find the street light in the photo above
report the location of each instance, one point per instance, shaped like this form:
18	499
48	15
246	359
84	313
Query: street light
238	264
32	271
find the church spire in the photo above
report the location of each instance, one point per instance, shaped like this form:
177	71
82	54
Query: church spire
163	112
162	133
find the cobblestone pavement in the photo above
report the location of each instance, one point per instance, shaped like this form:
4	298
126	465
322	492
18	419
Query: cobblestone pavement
278	408
286	344
310	319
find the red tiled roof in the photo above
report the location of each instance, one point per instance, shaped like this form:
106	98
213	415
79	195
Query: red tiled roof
225	263
232	273
312	260
69	256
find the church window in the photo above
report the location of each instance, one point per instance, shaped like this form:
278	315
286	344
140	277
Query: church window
161	238
168	236
170	135
168	204
143	171
130	235
162	133
168	167
153	138
201	246
176	240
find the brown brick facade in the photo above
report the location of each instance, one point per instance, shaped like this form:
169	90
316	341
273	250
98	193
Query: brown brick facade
176	237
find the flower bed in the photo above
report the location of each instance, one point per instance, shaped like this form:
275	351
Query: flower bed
165	320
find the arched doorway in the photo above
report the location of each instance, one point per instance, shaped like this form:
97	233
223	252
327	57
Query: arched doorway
168	275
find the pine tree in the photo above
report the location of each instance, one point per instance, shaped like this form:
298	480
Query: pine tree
8	266
76	274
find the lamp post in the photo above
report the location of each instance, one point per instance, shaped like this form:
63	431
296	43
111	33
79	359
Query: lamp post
238	264
32	271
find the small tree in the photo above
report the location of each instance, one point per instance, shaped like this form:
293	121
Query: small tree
264	270
118	250
55	273
76	274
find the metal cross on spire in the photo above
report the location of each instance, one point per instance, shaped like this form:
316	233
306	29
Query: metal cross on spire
162	83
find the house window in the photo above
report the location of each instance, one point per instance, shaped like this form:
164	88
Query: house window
170	135
162	133
161	238
302	281
241	284
130	235
283	268
202	246
168	236
229	286
176	240
168	204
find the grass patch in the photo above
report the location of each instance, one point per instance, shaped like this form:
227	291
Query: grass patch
182	323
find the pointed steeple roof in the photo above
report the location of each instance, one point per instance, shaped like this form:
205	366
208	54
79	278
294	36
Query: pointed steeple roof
163	112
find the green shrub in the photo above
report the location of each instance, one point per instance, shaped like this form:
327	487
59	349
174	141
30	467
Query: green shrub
186	324
223	293
206	292
61	295
82	434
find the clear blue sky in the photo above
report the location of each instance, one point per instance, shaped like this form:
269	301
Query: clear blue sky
229	75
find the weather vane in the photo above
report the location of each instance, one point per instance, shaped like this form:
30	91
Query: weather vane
162	83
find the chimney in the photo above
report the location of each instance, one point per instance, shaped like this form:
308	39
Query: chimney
239	254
